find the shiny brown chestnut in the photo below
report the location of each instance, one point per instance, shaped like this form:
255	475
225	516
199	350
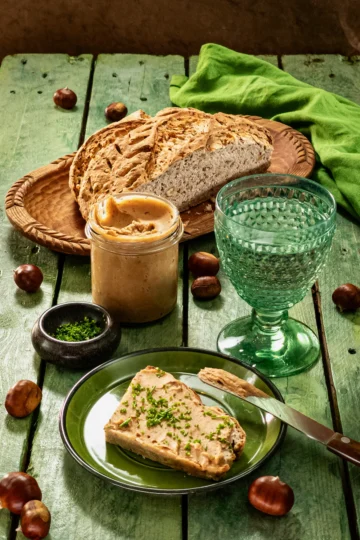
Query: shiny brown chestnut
28	277
206	287
23	398
35	520
65	98
271	496
347	297
203	264
16	489
116	111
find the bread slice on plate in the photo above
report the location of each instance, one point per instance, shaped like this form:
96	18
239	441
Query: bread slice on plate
163	419
184	155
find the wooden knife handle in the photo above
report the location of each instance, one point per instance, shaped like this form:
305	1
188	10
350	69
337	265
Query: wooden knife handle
345	447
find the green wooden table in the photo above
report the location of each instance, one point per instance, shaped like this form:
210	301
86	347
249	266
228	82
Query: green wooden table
327	491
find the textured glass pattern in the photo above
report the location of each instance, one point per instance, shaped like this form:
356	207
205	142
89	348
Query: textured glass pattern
273	264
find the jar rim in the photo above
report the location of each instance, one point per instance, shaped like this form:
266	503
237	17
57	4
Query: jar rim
128	245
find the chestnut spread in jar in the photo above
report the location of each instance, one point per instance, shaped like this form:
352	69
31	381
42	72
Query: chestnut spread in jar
134	256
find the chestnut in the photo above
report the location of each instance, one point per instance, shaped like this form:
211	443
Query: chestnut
65	98
347	297
35	520
16	489
116	111
203	264
22	399
206	287
271	496
28	277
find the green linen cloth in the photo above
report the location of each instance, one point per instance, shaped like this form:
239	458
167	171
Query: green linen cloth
237	83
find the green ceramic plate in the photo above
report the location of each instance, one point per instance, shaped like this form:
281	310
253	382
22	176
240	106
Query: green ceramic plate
95	397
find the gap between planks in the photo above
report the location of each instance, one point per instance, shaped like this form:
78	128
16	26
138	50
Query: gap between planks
87	103
42	367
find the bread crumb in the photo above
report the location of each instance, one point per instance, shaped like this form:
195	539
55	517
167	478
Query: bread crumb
208	208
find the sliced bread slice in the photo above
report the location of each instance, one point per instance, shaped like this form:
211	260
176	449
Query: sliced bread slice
161	418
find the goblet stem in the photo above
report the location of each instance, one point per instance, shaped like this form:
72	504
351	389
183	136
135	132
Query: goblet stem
269	322
267	337
270	341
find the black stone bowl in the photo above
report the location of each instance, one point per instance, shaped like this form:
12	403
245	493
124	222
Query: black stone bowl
75	354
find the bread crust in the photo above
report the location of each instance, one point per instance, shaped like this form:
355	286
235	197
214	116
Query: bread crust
100	139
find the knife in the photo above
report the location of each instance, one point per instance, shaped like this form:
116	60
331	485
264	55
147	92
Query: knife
335	442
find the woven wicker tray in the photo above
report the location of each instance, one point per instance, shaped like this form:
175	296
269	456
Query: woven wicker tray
41	206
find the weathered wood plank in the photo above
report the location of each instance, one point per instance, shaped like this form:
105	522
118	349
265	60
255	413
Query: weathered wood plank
331	72
84	506
319	510
33	132
341	331
139	81
36	131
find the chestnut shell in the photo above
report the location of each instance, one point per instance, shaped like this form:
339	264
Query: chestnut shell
16	489
202	263
206	287
28	277
65	98
35	520
271	496
23	398
347	297
116	111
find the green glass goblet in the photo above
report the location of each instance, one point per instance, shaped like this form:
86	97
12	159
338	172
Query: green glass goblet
273	233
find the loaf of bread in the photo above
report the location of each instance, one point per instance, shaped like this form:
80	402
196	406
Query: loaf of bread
184	155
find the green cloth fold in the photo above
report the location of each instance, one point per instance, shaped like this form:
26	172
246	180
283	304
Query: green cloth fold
237	83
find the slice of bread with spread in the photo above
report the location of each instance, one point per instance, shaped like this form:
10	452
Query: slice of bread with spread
163	419
184	155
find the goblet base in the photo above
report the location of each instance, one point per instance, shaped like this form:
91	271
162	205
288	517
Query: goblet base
291	349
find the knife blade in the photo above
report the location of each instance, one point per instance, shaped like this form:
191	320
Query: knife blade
335	442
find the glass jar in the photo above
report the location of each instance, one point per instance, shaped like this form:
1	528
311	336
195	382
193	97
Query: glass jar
134	276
